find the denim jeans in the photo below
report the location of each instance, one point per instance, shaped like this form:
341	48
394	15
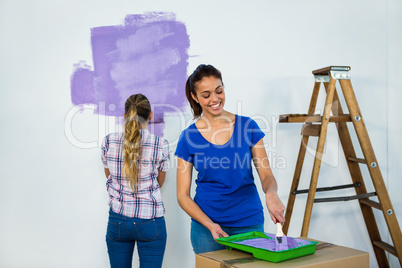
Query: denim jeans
122	234
202	240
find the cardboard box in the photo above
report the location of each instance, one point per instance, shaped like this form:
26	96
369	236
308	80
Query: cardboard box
327	255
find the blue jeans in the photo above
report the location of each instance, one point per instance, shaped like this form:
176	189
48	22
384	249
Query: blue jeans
122	234
202	240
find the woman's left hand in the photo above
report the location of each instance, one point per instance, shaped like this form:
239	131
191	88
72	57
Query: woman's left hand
275	207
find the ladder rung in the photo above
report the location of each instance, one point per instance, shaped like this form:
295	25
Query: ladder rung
359	160
329	188
311	130
312	118
343	198
291	118
371	203
385	246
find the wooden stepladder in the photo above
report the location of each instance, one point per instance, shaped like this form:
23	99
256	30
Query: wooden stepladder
317	125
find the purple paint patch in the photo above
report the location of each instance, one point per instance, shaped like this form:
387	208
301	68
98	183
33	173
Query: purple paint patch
82	84
271	244
148	55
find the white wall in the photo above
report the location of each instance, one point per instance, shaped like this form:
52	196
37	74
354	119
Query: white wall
53	196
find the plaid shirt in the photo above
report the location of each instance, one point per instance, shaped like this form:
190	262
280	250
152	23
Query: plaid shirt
146	203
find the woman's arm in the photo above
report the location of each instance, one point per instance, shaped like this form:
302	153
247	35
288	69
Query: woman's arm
107	172
161	178
184	174
268	182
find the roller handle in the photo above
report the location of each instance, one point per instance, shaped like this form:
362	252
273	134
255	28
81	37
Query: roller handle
279	229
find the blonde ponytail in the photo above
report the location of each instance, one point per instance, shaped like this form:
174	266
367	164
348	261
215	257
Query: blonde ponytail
137	109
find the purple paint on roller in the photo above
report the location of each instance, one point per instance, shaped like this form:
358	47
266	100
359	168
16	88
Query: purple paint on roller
148	55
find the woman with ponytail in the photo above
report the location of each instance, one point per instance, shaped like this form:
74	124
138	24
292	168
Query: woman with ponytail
135	163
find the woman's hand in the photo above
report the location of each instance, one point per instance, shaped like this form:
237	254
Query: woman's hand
275	207
217	231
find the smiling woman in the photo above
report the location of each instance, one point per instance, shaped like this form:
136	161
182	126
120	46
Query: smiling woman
208	81
226	200
210	95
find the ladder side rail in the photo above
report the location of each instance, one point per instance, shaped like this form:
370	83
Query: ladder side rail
318	158
295	184
356	175
373	167
300	161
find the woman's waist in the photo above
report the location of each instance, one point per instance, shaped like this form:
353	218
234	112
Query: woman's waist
139	216
125	187
127	193
234	213
218	190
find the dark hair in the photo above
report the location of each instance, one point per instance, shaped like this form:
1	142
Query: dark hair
202	71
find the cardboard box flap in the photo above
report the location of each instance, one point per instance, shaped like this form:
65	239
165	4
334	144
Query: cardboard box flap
224	259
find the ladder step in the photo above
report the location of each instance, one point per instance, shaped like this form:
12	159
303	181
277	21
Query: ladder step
343	198
312	118
371	203
359	160
326	70
311	130
385	246
329	188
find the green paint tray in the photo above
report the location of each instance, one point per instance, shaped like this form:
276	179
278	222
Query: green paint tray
303	248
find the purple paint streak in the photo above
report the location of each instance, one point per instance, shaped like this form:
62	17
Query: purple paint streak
271	244
148	55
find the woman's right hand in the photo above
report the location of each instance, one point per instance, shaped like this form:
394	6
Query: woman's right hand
217	231
275	207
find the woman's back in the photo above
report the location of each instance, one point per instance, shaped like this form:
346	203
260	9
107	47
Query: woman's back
154	157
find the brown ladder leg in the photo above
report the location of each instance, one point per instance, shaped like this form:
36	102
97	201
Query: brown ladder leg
318	158
299	163
385	204
355	173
